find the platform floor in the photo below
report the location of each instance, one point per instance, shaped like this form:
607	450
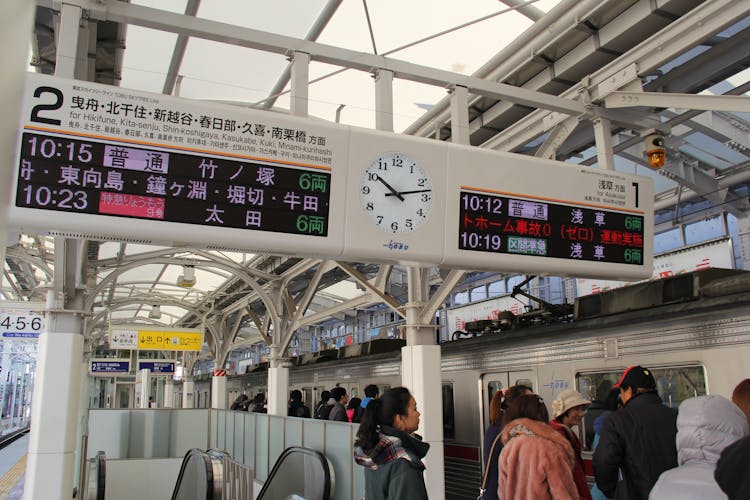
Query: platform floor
13	468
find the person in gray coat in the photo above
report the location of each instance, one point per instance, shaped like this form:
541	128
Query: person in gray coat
338	410
705	426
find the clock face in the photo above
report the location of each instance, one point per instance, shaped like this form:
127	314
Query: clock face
396	193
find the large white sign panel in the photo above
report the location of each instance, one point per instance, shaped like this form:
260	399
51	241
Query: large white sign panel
102	162
521	213
457	317
110	163
717	254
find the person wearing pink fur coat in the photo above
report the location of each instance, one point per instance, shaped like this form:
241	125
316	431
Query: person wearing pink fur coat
536	462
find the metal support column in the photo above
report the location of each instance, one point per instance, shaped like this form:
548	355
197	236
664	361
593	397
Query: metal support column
460	115
219	390
420	373
188	393
603	135
300	84
52	442
384	100
278	383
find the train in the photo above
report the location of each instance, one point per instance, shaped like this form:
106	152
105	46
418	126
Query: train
692	330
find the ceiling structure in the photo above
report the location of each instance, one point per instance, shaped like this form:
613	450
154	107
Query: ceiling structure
594	53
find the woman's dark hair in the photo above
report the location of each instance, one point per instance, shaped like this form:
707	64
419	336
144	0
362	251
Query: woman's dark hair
527	406
381	411
353	403
325	396
296	395
496	408
514	392
501	400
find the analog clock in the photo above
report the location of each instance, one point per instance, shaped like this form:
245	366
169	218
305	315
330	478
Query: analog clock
396	193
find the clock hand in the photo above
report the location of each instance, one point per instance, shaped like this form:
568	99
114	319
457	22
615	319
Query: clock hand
409	192
393	191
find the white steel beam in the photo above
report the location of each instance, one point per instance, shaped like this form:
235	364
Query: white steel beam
734	103
206	29
689	30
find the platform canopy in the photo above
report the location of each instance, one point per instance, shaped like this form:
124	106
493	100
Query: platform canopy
559	80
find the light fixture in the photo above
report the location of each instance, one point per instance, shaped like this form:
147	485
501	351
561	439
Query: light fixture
187	278
155	312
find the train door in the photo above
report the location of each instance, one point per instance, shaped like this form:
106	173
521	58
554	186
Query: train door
498	381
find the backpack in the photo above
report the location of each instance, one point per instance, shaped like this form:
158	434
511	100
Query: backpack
321	413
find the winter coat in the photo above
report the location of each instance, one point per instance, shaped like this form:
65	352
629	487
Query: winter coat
639	440
579	475
324	409
490	486
338	412
298	409
731	470
705	426
394	468
536	463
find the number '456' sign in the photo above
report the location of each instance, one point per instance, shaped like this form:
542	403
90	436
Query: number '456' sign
21	323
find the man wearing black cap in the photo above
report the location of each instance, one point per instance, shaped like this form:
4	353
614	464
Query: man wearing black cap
638	440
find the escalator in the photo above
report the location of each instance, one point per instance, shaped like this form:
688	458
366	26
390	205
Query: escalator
201	475
299	473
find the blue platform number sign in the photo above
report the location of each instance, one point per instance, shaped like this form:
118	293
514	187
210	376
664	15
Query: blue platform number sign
157	367
21	324
105	367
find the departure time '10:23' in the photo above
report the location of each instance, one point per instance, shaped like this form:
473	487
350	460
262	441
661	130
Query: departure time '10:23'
57	172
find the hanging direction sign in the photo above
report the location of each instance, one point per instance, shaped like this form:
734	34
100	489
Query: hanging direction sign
146	338
109	367
157	367
21	320
538	219
150	168
155	168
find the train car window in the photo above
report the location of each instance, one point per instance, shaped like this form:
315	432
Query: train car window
307	397
478	293
674	385
497	288
525	381
492	387
449	414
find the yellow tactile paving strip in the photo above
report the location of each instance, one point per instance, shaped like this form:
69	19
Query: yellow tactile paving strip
11	478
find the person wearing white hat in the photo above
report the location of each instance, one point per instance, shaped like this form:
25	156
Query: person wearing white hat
568	410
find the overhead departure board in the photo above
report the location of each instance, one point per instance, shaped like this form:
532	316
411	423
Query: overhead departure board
532	215
514	224
58	172
107	163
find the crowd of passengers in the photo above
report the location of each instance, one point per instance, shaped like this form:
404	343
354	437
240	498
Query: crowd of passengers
333	405
642	448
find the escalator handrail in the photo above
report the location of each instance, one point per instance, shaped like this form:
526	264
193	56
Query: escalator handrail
206	460
101	475
306	451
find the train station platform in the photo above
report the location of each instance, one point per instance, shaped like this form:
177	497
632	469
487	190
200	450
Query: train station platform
13	468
